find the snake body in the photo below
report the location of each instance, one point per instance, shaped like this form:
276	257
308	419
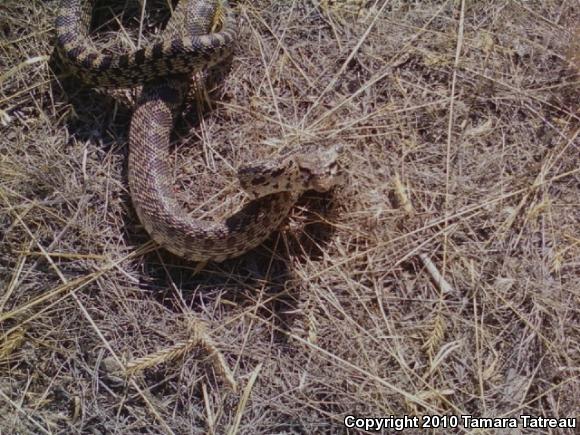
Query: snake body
178	52
165	67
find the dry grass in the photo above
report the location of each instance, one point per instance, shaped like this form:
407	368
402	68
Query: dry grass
443	278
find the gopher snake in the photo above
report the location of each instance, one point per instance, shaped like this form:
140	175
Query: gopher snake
165	67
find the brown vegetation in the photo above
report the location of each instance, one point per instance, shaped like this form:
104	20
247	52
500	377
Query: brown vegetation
442	278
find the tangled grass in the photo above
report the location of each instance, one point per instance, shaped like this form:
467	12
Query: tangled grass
442	278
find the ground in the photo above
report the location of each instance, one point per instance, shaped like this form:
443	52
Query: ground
441	278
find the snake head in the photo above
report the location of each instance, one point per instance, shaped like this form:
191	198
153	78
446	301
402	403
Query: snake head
306	169
319	169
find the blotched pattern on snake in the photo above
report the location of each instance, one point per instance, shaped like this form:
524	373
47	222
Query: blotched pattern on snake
165	69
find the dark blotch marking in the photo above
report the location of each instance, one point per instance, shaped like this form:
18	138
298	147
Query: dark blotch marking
140	56
157	51
63	21
124	61
66	38
266	222
275	208
89	61
172	233
176	46
277	172
258	180
105	63
75	52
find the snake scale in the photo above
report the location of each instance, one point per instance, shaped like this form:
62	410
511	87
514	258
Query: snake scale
165	68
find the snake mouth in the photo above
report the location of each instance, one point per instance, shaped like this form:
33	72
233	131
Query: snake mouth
332	177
